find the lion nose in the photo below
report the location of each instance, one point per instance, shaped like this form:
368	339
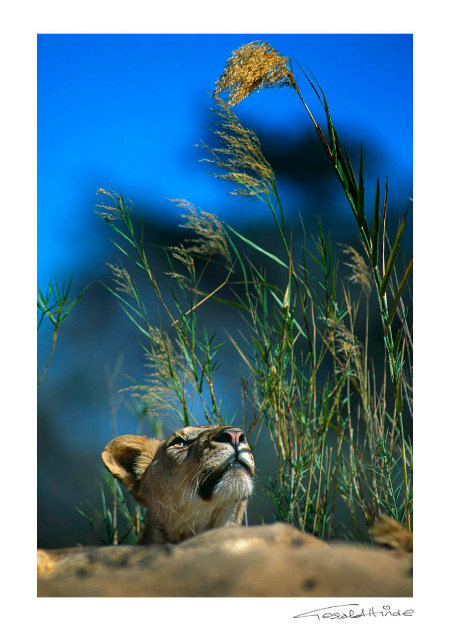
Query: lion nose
232	436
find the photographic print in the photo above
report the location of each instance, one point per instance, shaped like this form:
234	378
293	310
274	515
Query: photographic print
225	341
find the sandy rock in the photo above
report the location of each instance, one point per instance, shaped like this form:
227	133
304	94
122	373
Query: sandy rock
270	560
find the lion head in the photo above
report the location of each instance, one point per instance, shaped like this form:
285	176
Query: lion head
199	478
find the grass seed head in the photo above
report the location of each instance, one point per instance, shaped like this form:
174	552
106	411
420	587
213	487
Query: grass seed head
360	270
122	279
251	67
210	239
239	157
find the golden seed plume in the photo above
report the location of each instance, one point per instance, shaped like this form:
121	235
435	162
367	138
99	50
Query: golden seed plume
180	253
105	210
166	363
122	279
344	343
347	343
360	270
251	67
239	156
210	239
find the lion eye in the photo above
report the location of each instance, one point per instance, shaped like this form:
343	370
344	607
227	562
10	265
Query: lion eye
178	442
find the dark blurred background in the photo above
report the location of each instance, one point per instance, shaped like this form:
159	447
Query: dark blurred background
124	113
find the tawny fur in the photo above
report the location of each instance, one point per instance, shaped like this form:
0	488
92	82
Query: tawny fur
389	533
191	482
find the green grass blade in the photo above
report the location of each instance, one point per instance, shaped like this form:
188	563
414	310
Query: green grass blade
394	305
376	226
258	248
360	197
392	258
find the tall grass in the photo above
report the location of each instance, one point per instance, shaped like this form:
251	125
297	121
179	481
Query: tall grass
335	422
55	306
119	520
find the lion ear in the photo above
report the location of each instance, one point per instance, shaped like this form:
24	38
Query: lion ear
128	456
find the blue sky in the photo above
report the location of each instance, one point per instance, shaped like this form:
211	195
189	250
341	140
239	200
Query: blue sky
124	111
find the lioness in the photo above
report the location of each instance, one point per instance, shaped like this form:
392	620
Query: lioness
199	478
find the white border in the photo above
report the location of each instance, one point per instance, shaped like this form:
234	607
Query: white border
20	24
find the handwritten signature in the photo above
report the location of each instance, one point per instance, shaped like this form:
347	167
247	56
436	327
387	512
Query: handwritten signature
364	612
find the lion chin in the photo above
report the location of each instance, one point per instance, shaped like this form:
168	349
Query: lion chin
199	478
